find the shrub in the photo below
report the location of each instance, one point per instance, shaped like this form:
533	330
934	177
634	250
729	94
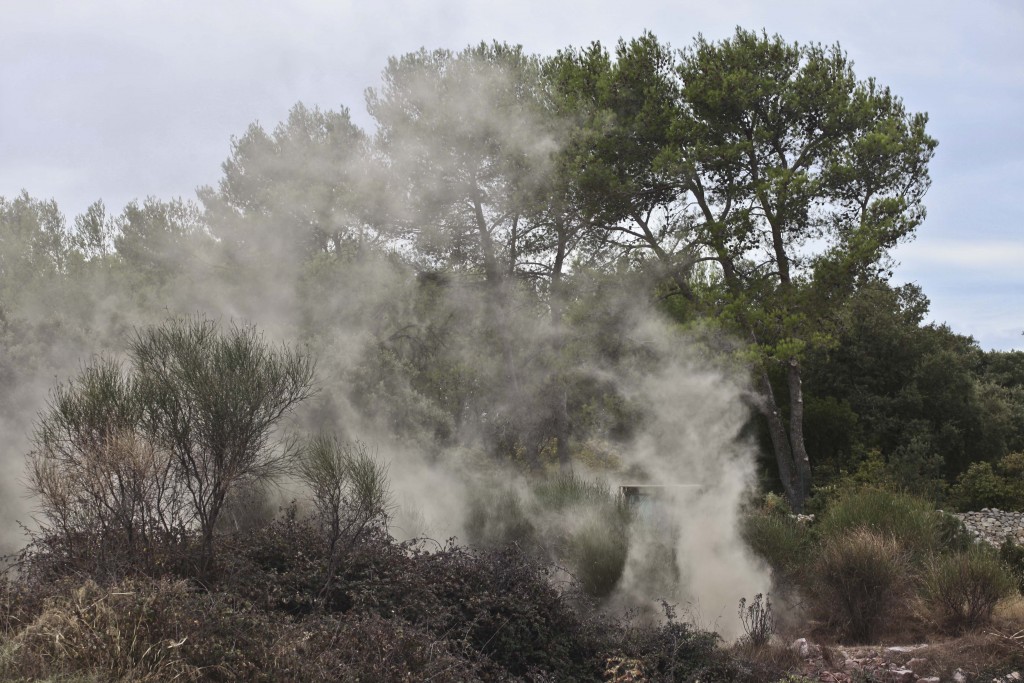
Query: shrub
953	532
597	553
909	521
676	651
568	490
506	607
983	485
589	529
862	577
963	588
350	494
1012	556
130	461
499	519
757	619
139	631
781	542
349	647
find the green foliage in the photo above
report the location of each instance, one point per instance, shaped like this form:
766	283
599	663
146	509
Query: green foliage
1012	556
784	544
565	518
597	550
675	651
565	491
497	519
214	401
953	533
349	486
911	522
986	486
131	460
306	188
963	588
861	578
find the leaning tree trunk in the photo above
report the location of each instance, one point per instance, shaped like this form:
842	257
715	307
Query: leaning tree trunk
801	461
788	441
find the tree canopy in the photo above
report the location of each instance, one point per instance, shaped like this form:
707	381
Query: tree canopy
470	268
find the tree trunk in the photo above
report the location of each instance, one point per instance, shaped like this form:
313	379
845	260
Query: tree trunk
562	432
796	435
780	441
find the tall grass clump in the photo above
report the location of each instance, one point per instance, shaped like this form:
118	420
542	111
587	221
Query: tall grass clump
963	588
495	519
569	490
567	519
1012	555
597	551
862	576
909	521
785	545
589	529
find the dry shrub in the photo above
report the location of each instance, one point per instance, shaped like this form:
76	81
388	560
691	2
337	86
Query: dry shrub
103	632
1009	614
862	578
771	662
981	656
144	630
349	647
962	589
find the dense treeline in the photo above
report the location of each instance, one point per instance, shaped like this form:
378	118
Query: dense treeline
474	251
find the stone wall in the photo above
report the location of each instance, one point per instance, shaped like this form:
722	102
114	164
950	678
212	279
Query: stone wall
994	525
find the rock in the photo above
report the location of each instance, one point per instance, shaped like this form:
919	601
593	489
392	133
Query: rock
901	676
930	679
903	649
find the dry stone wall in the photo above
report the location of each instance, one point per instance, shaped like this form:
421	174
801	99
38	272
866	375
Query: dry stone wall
994	526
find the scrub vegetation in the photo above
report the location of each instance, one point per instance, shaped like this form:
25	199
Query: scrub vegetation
529	382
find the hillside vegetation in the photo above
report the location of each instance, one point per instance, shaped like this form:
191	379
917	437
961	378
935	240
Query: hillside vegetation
364	410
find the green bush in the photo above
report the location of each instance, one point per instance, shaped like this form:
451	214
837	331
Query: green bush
597	553
963	588
1012	556
676	651
567	490
986	486
499	519
781	542
953	532
909	521
862	577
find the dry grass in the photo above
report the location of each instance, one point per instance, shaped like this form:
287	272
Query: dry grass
1009	614
863	578
103	632
982	656
766	662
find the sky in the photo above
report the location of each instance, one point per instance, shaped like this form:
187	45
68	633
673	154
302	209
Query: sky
124	99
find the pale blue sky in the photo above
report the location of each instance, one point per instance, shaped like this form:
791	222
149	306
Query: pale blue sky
123	99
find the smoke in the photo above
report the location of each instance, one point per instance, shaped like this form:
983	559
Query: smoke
416	268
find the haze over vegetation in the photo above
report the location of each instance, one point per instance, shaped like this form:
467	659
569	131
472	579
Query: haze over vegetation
538	278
